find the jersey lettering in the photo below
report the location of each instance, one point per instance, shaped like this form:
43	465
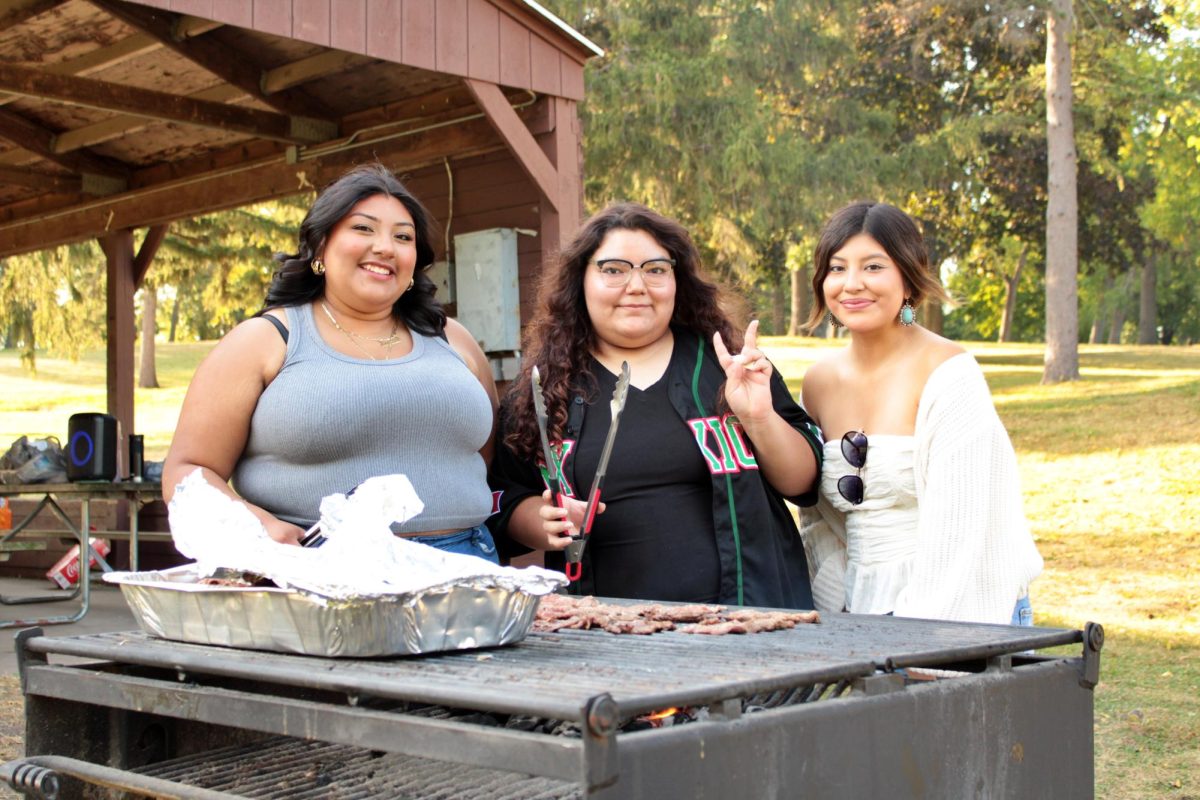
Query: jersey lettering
723	444
562	452
737	438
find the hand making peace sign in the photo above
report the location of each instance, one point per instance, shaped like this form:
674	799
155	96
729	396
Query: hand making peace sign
747	377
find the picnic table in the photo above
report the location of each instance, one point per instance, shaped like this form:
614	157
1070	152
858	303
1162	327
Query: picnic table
51	497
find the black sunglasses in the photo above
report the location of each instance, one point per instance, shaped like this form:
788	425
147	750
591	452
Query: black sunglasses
854	450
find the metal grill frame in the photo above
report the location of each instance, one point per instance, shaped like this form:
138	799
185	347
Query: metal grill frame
598	680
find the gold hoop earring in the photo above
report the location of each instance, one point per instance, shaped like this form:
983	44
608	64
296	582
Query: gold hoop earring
317	266
411	283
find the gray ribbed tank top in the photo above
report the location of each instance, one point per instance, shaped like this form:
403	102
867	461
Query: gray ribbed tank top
330	421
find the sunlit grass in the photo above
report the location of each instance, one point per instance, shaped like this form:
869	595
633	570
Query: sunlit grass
1109	477
40	404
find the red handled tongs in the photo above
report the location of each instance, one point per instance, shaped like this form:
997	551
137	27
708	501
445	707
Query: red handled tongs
574	550
552	467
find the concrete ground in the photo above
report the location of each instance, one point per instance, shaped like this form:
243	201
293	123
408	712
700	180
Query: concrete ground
107	612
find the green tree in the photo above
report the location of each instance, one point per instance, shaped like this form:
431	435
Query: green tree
733	117
216	268
53	301
1164	142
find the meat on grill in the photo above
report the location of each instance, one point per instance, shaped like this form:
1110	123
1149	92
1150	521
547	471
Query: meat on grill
748	621
559	612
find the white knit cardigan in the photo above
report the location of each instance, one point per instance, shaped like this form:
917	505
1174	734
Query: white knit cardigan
975	555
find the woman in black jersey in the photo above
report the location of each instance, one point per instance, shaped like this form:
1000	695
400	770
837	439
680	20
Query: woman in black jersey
709	446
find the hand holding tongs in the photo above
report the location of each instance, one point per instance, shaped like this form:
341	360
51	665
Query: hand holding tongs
552	466
313	537
574	551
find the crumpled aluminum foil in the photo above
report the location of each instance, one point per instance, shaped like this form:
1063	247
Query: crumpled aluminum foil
360	558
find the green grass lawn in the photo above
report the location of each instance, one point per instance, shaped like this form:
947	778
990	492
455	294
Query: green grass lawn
1108	470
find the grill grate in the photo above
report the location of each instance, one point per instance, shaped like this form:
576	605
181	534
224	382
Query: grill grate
292	769
553	675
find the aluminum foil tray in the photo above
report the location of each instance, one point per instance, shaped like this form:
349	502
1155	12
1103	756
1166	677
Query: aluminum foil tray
172	604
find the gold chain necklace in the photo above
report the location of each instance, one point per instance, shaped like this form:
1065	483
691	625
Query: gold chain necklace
386	342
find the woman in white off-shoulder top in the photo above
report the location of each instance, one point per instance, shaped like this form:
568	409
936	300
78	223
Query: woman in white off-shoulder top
920	509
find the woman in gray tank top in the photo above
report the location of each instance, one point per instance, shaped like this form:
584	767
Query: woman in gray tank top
351	370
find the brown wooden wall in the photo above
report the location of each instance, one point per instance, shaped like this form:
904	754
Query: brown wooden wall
490	191
496	41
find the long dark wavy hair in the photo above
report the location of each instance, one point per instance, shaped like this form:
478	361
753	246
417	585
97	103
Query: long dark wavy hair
295	284
901	240
560	337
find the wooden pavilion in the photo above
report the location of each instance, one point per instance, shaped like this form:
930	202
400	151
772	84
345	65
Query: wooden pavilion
120	115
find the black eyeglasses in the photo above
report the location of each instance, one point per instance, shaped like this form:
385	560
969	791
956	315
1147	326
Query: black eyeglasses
854	450
617	272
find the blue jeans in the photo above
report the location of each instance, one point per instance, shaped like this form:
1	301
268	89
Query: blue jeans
1023	613
475	541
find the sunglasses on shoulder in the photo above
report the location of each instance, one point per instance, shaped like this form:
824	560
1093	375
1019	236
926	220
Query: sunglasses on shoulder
854	450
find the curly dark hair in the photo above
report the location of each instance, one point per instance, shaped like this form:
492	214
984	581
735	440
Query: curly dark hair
559	339
901	240
294	283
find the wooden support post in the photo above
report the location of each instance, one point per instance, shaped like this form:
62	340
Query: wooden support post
552	161
520	141
118	250
145	255
563	145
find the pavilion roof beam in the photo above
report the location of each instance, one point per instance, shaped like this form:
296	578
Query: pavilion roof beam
41	180
124	99
123	124
14	12
40	141
226	63
276	79
308	69
117	52
238	184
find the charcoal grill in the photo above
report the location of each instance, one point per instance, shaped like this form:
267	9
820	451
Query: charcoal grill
828	710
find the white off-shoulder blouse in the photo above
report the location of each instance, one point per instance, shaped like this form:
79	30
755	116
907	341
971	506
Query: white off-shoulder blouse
940	533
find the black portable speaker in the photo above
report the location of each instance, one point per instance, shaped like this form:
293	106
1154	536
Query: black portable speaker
91	447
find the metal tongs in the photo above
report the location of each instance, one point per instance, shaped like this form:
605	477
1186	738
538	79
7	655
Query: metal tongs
313	537
574	551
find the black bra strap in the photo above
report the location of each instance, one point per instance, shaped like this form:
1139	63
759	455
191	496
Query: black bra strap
279	326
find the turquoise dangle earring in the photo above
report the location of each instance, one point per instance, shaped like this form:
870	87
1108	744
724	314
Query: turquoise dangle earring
908	314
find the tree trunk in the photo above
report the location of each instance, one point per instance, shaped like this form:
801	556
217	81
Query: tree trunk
799	300
1117	326
1099	330
777	304
932	317
1011	282
27	341
1147	316
1120	301
147	375
175	316
1062	208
